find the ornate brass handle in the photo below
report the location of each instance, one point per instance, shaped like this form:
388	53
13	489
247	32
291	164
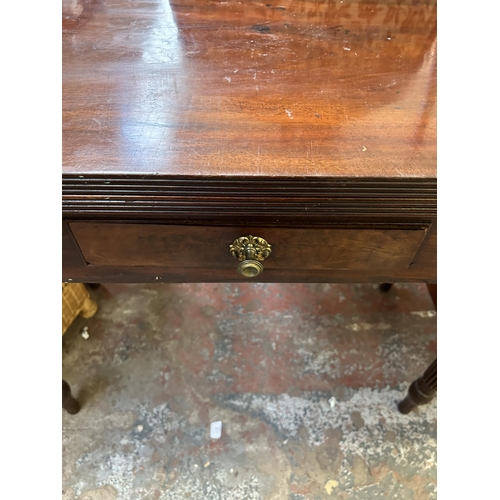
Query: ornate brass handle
250	251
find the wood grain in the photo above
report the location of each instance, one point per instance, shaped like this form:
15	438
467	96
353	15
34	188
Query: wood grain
208	247
291	116
227	89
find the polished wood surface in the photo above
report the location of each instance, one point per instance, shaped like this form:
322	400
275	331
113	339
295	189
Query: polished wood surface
190	123
145	253
294	116
208	247
224	89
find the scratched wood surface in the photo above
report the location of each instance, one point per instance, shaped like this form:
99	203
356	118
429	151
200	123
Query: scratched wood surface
244	88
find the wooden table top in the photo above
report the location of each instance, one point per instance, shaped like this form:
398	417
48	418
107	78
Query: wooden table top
295	89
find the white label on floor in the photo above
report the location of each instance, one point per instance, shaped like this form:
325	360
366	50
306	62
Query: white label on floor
216	430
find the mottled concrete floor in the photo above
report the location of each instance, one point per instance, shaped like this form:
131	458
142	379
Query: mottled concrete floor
305	379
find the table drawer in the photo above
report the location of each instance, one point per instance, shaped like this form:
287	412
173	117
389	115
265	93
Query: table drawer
207	247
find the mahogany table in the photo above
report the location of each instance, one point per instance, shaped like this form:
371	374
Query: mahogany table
217	141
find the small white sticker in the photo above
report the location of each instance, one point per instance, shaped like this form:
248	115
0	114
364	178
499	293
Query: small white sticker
216	430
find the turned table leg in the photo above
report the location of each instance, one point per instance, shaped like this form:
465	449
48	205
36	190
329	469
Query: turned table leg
421	391
69	403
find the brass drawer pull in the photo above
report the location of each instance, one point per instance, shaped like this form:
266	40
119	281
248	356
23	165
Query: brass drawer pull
250	251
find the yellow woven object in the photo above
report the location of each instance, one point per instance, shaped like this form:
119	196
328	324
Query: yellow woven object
75	300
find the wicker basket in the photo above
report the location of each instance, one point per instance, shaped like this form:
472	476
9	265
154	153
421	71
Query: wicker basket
75	301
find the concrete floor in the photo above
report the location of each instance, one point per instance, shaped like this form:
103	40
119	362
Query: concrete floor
305	379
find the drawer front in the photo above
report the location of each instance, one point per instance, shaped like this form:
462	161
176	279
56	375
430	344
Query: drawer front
206	247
